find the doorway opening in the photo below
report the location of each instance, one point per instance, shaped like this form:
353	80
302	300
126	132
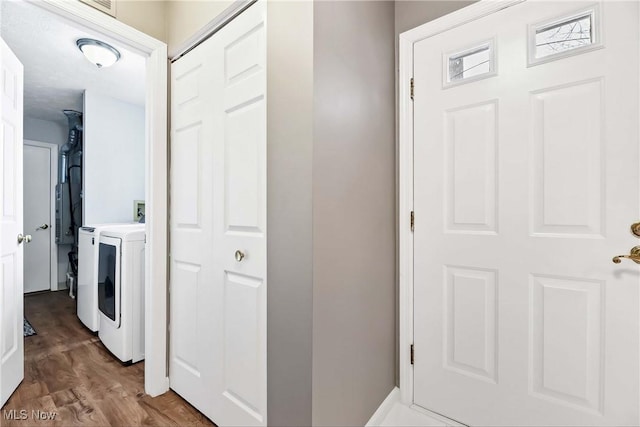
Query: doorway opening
143	59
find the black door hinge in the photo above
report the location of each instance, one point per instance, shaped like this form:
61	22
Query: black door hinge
412	354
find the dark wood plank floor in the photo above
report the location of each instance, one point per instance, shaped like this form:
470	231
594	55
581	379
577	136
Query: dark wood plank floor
70	373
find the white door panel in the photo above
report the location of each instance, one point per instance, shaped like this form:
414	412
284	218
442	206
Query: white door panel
11	255
526	183
37	213
240	221
218	181
191	367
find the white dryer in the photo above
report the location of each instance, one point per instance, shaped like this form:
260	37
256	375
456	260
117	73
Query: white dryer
121	291
87	290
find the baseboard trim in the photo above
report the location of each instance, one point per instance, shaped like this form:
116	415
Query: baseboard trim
436	416
385	407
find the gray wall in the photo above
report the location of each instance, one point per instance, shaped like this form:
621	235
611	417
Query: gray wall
410	14
289	244
354	227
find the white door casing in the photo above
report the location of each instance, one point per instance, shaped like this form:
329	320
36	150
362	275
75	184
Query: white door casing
40	259
218	213
524	186
11	255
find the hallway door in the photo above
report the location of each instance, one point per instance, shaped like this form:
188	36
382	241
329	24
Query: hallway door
218	230
11	274
38	194
527	181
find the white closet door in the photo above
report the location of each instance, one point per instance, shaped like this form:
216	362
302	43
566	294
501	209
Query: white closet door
11	253
218	223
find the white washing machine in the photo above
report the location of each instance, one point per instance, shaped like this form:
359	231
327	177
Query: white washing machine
121	291
87	289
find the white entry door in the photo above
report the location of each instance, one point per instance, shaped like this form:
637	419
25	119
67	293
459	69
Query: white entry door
11	298
37	217
526	179
218	224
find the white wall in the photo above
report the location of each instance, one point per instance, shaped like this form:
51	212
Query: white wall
113	159
53	133
46	131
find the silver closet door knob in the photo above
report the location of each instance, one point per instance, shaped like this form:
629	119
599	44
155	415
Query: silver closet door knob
25	238
239	255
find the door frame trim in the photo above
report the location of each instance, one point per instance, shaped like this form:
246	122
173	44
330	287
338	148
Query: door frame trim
405	171
53	149
156	378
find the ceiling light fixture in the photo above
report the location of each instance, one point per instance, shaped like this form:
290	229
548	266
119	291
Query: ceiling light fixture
99	53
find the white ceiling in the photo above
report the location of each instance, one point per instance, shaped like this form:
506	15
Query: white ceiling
55	71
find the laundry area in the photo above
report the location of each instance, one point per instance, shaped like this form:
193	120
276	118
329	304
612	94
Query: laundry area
84	180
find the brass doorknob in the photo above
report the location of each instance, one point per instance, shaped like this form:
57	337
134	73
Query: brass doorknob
239	255
635	229
25	238
634	255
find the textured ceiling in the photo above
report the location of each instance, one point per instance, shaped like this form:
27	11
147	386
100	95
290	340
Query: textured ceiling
55	71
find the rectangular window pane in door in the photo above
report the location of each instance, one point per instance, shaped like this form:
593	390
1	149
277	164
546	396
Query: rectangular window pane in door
564	36
568	35
469	64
